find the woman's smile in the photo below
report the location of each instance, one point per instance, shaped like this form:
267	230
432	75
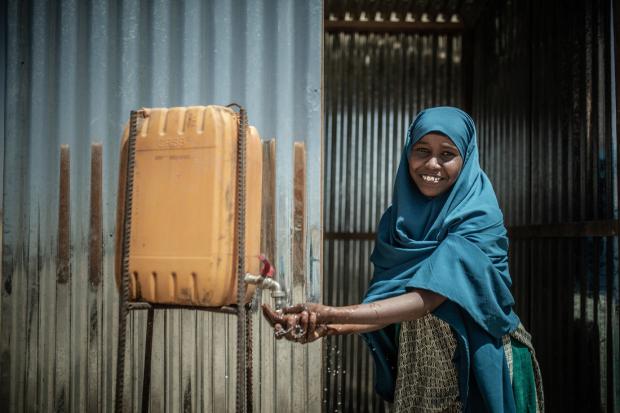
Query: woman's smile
431	179
434	164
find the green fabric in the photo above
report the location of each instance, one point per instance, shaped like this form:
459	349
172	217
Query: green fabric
523	384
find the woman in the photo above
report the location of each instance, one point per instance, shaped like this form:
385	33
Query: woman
438	314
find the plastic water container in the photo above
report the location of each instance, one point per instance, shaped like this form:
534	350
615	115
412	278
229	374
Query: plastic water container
183	238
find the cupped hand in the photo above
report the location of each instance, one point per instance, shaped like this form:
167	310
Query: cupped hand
272	317
318	312
276	319
289	326
297	323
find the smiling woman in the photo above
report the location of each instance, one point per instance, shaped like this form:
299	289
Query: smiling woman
434	164
438	314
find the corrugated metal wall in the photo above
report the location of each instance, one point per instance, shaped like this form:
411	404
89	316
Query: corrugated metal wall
374	86
544	99
71	72
540	81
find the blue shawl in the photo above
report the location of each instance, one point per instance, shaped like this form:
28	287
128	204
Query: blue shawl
454	245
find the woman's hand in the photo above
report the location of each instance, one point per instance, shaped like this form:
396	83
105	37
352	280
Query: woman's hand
297	323
282	324
301	324
311	319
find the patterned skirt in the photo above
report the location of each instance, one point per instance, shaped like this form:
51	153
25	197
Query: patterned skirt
427	379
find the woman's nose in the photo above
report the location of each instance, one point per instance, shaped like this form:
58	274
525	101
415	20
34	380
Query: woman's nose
433	163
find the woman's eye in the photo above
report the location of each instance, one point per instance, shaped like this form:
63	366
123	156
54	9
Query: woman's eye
449	155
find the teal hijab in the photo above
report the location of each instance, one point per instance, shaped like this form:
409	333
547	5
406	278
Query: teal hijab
454	245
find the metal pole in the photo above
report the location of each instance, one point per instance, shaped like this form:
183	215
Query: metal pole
124	293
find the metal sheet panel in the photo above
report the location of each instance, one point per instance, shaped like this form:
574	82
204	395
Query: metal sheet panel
540	82
71	72
545	105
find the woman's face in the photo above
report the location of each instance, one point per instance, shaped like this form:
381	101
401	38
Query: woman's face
434	164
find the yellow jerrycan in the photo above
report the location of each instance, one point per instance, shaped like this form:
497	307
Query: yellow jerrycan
183	237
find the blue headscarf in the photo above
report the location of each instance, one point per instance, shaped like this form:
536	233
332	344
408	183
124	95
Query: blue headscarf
455	245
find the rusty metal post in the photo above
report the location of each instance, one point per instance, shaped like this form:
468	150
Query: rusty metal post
123	309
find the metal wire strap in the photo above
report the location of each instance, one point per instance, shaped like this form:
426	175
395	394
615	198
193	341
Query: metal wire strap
124	296
242	347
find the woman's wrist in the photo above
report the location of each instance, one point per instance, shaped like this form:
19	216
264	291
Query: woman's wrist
328	315
339	315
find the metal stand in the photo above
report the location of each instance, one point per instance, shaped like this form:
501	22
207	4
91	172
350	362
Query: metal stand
244	319
246	404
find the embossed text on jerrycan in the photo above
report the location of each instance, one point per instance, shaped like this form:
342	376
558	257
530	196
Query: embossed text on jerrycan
182	241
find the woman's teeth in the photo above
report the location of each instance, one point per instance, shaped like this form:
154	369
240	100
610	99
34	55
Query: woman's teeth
431	179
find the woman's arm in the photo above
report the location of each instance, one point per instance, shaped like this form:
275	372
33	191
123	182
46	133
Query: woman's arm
344	329
303	325
408	306
313	321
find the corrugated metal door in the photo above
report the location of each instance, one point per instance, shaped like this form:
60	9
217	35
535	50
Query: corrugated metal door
545	101
541	83
374	86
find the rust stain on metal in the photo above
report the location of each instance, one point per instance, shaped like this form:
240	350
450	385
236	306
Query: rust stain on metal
63	259
299	213
187	397
95	244
93	323
268	218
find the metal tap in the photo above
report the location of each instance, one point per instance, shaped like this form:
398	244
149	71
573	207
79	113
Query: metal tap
265	281
278	294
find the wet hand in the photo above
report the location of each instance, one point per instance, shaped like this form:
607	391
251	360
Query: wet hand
284	325
320	331
313	320
297	323
275	318
316	313
298	334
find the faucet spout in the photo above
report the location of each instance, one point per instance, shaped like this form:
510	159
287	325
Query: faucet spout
268	283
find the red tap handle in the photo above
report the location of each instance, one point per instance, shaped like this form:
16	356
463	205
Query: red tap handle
267	270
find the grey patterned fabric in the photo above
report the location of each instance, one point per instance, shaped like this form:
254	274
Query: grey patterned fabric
427	379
